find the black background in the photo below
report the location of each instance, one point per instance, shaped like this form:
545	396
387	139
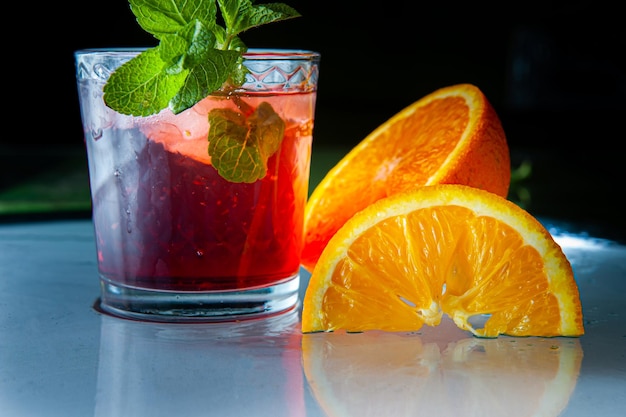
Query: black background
553	70
552	65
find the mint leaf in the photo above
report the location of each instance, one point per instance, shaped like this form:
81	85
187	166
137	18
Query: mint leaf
205	77
251	16
144	85
208	68
240	147
160	17
242	15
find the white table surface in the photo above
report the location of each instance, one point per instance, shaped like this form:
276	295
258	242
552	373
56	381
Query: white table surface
59	357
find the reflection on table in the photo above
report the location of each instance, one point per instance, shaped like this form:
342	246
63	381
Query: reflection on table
60	357
440	372
152	369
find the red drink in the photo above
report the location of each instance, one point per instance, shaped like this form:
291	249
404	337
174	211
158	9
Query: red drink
171	230
168	221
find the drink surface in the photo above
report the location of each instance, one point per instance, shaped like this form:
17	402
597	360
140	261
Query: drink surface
165	219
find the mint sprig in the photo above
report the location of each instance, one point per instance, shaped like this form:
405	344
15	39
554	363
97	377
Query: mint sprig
196	56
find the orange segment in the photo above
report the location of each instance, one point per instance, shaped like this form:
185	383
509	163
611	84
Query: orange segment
407	259
452	135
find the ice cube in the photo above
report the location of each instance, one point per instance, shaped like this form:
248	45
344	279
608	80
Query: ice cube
185	133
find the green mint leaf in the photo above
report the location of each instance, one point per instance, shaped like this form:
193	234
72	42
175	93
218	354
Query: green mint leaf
241	15
144	85
240	147
267	13
208	68
232	9
205	77
160	17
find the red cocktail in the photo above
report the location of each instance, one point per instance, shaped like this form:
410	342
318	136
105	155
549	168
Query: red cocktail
176	239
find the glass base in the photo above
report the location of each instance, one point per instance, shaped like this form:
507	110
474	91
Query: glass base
168	306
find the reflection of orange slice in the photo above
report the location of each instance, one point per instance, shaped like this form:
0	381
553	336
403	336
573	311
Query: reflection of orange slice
400	374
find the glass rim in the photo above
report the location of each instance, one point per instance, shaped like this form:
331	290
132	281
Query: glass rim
251	53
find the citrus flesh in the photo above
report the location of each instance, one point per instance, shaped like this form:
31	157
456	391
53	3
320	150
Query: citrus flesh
451	136
407	259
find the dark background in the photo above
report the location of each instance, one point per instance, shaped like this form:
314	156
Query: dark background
553	70
558	59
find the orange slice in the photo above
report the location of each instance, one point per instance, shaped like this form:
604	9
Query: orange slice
396	374
407	259
452	135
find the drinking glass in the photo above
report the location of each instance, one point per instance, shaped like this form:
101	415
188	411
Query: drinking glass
176	240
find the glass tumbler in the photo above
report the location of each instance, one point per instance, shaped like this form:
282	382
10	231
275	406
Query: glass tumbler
176	239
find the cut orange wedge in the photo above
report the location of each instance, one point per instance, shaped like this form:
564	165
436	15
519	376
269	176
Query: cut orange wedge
451	136
407	259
